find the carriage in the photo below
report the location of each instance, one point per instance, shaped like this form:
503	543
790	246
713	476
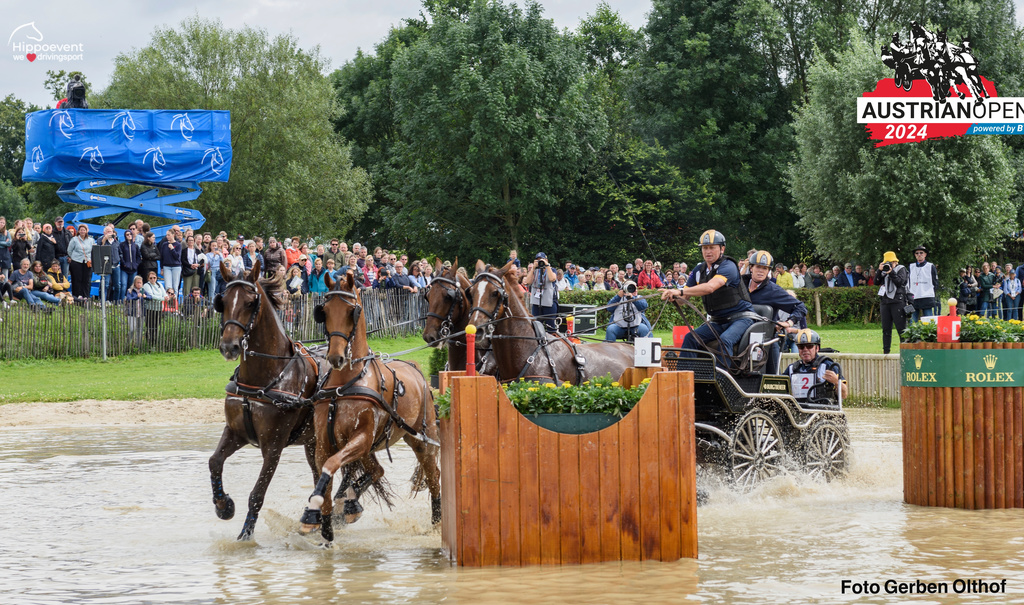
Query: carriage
750	422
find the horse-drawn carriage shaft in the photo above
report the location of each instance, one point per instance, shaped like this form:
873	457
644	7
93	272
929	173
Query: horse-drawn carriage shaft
521	347
365	405
264	406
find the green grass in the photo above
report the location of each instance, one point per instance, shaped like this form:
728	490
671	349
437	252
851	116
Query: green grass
204	373
138	377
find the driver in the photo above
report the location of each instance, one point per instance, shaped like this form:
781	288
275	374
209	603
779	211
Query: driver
814	369
764	292
726	301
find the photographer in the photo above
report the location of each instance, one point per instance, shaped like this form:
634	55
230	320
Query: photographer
540	279
895	300
628	319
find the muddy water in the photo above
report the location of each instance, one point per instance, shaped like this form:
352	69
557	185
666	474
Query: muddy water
123	515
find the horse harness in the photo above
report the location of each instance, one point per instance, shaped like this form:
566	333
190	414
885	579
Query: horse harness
283	400
352	390
452	290
540	335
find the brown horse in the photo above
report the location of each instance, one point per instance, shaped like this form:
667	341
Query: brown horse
448	313
267	401
522	349
366	405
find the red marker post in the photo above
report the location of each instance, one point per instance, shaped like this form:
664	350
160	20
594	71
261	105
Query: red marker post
948	326
470	350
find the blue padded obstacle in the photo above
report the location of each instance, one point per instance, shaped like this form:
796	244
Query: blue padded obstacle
170	150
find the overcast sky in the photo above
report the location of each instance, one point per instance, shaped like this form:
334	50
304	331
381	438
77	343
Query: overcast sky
109	27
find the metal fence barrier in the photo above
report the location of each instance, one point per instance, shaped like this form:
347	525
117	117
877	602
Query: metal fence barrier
868	375
77	330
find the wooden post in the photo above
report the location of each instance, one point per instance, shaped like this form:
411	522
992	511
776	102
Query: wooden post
470	350
817	308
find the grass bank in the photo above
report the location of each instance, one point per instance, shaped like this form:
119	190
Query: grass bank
204	373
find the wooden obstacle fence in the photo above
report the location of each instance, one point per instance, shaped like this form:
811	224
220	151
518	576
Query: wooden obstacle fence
963	446
516	494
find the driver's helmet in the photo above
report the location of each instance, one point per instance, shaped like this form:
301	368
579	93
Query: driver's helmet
808	337
711	238
761	258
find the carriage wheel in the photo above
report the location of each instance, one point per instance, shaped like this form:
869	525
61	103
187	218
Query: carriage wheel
757	449
826	447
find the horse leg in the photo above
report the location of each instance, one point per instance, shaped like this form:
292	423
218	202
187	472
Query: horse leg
230	442
426	454
326	528
351	509
271	458
356	448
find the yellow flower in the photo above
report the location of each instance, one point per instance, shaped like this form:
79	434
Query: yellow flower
522	380
980	323
532	389
566	385
972	316
549	385
645	381
615	384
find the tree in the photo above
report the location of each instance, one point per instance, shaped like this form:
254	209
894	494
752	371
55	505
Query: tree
705	93
12	204
12	138
494	126
856	201
291	174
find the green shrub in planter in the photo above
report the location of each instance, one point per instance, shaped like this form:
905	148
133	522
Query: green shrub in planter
596	396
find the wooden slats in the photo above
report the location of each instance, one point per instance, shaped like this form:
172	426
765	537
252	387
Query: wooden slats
963	446
532	496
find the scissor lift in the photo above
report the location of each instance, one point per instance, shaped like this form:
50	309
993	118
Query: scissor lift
147	203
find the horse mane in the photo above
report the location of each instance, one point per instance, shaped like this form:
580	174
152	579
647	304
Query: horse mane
277	291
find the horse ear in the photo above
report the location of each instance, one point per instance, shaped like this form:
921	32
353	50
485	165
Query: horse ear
438	266
350	281
501	272
318	314
329	282
254	274
480	266
225	271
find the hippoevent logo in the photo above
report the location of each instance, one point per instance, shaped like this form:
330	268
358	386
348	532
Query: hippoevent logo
27	43
936	91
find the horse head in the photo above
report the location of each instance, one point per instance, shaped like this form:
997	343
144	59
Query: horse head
127	124
447	302
64	121
240	307
216	159
95	157
341	316
158	159
490	301
184	125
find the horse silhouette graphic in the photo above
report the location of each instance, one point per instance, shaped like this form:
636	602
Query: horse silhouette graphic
28	34
216	159
127	124
37	157
158	159
184	124
63	121
95	157
930	57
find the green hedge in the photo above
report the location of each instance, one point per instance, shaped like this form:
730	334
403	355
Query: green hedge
838	306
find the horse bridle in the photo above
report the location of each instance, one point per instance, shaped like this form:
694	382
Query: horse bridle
320	316
453	294
499	308
218	306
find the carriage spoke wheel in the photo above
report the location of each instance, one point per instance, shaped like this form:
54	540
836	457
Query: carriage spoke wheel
757	449
827	449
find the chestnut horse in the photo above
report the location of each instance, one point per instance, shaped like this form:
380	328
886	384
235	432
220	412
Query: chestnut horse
522	349
448	313
268	396
366	405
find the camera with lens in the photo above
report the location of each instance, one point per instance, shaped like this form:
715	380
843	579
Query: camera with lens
887	267
541	262
629	287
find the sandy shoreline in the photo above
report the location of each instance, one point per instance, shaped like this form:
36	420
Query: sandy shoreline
94	412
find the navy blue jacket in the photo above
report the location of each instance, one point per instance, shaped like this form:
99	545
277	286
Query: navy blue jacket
777	298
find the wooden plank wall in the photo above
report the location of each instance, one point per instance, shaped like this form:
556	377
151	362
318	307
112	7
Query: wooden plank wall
963	447
870	375
516	494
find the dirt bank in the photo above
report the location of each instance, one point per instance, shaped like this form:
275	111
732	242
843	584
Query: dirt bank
93	412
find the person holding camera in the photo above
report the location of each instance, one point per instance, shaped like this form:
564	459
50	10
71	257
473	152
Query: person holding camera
628	318
540	279
895	300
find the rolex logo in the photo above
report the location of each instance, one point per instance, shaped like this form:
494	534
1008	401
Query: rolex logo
990	361
917	361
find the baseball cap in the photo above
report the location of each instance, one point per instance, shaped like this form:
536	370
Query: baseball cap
629	265
540	255
447	264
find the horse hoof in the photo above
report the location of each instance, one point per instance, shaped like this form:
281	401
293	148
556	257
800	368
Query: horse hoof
311	518
307	529
350	519
225	509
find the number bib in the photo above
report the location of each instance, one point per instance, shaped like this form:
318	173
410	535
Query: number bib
801	383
